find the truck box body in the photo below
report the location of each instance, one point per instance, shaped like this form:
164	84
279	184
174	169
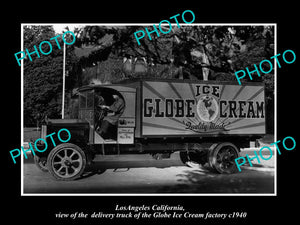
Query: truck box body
198	108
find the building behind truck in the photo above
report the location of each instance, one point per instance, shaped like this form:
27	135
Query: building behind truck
207	121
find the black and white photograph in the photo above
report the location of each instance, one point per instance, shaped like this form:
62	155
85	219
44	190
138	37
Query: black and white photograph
159	113
139	115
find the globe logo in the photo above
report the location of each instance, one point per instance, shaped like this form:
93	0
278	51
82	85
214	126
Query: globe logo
207	108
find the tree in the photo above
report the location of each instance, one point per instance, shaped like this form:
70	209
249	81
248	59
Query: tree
43	76
197	49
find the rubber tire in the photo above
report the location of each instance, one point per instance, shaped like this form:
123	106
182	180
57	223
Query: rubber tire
213	151
56	149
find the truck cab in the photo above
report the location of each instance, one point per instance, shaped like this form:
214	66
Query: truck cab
89	99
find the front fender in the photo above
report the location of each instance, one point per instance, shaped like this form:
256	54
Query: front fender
78	129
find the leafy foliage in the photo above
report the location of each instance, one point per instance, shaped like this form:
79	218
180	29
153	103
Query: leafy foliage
220	49
43	76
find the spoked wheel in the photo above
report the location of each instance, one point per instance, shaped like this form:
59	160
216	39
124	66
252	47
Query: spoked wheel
222	157
66	162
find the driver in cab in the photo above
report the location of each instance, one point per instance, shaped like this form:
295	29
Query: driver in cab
113	114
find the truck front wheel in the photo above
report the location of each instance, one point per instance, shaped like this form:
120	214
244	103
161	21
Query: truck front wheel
221	157
66	162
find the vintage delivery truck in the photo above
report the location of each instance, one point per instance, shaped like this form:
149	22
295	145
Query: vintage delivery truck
206	121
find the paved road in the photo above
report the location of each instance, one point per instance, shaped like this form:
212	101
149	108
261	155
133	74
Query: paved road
152	176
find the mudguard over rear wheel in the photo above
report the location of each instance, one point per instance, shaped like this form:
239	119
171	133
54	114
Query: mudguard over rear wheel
66	162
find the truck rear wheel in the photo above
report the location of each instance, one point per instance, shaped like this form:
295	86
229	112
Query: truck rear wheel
221	157
66	162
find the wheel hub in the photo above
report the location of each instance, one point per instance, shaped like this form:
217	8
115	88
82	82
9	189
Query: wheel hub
67	162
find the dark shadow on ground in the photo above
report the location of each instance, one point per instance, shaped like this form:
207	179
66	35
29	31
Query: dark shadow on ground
97	168
206	181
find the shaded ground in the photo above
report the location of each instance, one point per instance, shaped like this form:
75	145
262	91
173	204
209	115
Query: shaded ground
248	181
152	176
